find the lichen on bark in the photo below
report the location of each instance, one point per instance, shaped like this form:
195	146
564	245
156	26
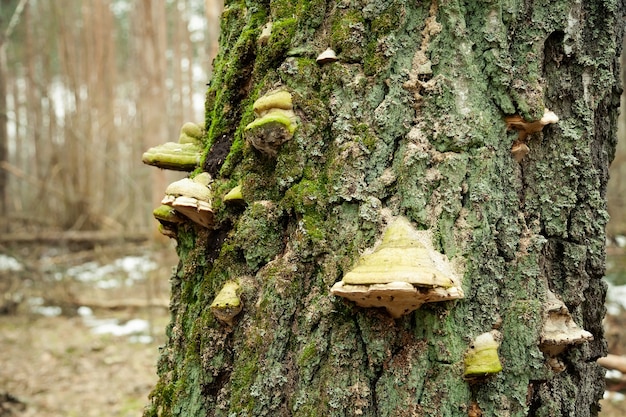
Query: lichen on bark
409	121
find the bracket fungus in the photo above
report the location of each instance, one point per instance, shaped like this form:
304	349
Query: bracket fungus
191	133
185	155
519	149
168	219
275	123
481	358
266	32
326	57
227	303
192	198
234	196
401	274
559	329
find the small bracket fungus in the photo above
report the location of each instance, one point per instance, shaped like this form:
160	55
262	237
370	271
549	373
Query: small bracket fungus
174	156
234	195
519	149
326	57
401	274
191	133
280	99
481	358
559	329
266	32
192	198
227	303
182	156
168	219
275	123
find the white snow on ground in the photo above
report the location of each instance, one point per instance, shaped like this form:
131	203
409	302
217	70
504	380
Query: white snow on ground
37	307
121	272
615	299
9	263
135	328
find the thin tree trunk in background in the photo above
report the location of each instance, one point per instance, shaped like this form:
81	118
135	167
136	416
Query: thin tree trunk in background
4	226
150	22
409	122
213	10
5	34
617	186
187	86
177	106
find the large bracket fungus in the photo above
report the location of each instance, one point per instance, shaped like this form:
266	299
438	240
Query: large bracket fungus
481	358
401	274
182	156
275	123
227	303
559	329
519	148
192	198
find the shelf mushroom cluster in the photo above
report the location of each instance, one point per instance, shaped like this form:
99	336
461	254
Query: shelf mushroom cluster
192	199
183	155
186	199
401	274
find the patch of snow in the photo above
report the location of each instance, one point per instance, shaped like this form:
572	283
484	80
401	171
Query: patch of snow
37	307
9	263
614	396
143	339
122	271
614	374
615	299
112	326
84	311
47	311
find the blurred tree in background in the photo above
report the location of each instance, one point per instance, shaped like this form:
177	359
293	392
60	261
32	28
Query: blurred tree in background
617	185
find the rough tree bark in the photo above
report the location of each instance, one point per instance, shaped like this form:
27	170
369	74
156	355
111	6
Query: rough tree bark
410	121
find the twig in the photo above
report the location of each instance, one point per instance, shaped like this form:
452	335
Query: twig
613	362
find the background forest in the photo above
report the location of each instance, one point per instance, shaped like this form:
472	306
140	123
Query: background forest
86	86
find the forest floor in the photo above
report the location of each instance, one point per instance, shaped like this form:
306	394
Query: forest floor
80	330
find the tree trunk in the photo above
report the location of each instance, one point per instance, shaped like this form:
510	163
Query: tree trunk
411	121
9	17
4	134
